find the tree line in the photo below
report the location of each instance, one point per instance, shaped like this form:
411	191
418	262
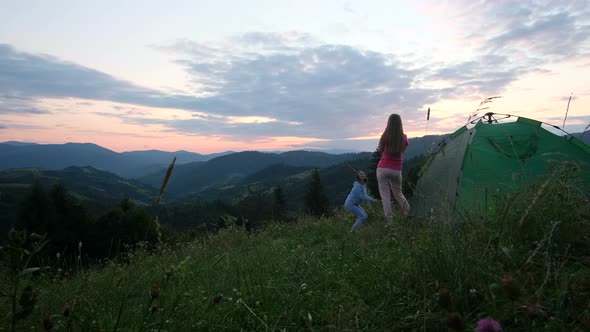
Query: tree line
75	234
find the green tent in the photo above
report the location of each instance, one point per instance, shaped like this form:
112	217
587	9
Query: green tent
474	165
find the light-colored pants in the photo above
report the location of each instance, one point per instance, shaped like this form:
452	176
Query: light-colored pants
391	181
359	213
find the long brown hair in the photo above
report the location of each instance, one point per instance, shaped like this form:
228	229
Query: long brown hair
392	139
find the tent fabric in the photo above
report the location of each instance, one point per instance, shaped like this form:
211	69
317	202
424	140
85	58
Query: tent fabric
476	165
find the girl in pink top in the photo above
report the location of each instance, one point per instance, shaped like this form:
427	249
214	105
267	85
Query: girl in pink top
392	145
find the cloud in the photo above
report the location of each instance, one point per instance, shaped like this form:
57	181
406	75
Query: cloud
33	111
321	91
19	105
484	76
298	86
24	75
510	39
540	30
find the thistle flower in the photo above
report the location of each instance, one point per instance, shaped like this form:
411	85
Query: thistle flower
444	298
488	324
455	321
67	310
510	286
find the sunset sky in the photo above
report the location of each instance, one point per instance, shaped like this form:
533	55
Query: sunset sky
211	76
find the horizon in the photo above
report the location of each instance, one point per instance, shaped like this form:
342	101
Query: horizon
269	76
214	152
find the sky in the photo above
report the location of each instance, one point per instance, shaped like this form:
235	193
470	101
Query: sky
212	76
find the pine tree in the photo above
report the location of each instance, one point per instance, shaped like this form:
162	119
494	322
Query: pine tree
35	210
316	201
279	203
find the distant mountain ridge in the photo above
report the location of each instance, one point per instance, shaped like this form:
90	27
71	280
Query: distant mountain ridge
131	164
193	170
583	136
194	177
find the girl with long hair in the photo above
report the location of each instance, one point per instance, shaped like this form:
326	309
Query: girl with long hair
392	145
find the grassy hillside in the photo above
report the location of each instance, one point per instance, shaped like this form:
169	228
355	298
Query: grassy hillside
527	267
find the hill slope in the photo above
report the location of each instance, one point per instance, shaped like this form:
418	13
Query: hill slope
234	168
85	182
315	275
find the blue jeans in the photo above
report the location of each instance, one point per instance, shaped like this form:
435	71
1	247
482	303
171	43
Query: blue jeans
360	214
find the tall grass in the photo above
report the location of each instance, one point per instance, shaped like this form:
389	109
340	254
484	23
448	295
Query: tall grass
315	275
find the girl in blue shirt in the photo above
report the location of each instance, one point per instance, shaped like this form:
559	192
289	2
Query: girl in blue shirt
358	195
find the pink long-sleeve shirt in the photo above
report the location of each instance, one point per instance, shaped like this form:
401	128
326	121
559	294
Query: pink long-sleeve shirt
393	161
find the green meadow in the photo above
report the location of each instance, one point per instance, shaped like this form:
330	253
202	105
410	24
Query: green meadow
526	264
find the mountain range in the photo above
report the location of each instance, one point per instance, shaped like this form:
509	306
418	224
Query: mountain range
233	168
138	164
101	177
59	156
584	137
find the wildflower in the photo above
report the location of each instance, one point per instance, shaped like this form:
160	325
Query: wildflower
444	298
488	324
510	286
155	293
67	309
455	321
303	286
